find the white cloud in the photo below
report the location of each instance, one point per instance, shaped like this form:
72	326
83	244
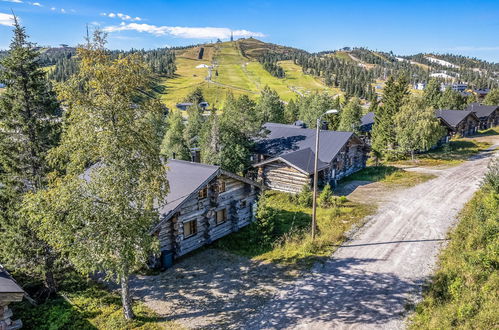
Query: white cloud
6	19
63	10
37	4
14	1
53	8
123	17
183	32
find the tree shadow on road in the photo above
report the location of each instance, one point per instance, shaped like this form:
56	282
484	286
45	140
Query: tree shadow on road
340	293
216	289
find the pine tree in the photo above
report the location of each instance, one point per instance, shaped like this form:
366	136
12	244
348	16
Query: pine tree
195	97
350	116
29	127
394	96
174	144
270	106
100	216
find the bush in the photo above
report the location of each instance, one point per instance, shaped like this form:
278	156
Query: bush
305	197
266	220
326	198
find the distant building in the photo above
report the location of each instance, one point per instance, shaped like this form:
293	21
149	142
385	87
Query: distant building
487	114
459	87
420	86
203	105
2	85
481	93
184	106
458	122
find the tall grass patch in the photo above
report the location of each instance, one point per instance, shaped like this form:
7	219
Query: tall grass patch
281	233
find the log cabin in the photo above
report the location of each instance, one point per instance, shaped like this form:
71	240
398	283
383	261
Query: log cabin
10	292
487	114
458	122
285	156
204	204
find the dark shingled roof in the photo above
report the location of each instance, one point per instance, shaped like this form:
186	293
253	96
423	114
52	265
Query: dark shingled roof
453	117
285	139
184	179
482	110
367	119
7	284
302	159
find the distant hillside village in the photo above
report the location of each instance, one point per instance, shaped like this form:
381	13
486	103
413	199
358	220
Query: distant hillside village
102	153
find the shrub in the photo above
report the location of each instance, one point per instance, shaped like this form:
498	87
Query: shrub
326	198
305	197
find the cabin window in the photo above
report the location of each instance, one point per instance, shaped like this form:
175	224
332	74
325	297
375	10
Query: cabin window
221	186
190	228
221	216
203	193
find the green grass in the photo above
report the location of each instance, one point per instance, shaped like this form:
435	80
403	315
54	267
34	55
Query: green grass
463	292
454	153
292	245
489	132
390	175
86	305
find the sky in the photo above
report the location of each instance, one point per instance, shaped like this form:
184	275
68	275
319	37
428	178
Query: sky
405	27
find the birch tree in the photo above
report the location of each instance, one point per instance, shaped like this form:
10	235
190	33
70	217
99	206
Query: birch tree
101	205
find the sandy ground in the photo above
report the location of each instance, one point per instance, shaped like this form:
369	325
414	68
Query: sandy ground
368	283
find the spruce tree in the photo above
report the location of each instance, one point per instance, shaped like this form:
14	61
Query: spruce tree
270	106
493	97
432	94
350	116
29	127
394	96
193	127
291	112
452	100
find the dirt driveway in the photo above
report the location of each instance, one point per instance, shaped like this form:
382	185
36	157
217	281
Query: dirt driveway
367	284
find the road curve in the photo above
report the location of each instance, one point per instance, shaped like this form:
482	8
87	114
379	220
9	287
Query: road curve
369	280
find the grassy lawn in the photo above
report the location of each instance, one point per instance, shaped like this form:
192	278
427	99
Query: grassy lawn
86	305
463	292
454	153
489	132
390	175
290	243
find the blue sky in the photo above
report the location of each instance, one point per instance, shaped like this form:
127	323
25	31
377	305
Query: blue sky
405	27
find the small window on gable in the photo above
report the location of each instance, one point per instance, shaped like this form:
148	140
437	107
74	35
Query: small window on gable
221	216
221	186
243	204
203	193
190	228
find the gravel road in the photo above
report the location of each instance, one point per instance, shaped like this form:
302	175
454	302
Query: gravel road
371	280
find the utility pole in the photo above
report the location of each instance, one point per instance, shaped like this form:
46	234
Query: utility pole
316	161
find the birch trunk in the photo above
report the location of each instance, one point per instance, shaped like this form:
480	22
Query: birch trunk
126	299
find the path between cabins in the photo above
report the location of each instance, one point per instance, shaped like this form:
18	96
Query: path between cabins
367	283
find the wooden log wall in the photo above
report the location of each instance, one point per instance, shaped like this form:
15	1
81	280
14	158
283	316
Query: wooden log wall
203	211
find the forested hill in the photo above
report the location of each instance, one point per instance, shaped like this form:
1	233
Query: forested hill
246	66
